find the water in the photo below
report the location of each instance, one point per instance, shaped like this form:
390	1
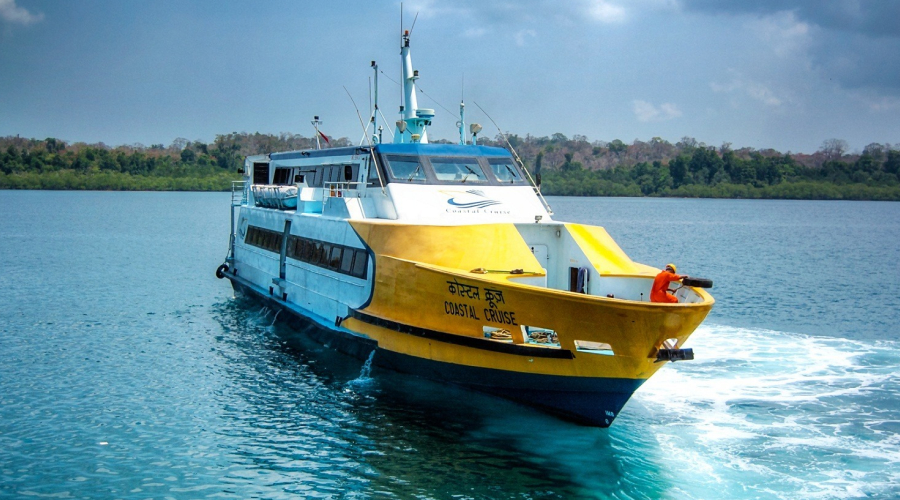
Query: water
128	371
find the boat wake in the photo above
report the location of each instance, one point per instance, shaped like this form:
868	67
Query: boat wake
365	374
777	414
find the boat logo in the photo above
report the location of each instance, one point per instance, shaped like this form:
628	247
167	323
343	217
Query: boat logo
473	198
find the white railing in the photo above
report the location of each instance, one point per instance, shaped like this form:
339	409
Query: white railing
238	193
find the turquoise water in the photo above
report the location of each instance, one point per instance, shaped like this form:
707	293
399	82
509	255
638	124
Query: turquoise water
128	371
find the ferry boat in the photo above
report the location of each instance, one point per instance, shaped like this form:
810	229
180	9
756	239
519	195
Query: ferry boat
443	261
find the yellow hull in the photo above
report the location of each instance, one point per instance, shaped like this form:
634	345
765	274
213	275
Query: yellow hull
428	305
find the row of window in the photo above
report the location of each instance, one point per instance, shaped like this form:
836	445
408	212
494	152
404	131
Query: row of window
338	258
264	238
452	170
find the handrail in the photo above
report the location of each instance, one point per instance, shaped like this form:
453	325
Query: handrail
238	193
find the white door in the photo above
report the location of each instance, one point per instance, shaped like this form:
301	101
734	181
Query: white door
542	254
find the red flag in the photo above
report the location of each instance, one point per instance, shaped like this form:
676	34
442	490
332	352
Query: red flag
325	137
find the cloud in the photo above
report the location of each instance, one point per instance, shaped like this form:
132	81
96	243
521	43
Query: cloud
12	13
754	90
646	112
852	43
874	18
784	33
606	12
474	32
521	37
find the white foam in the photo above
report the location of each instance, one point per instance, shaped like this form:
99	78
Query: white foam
786	410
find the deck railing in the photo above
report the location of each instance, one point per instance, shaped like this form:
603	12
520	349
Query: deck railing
238	193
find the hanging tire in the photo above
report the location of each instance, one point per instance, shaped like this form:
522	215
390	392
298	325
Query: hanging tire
220	272
697	282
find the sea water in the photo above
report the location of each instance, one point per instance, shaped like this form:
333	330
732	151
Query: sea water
128	371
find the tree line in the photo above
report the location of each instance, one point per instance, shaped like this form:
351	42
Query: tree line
182	166
575	167
566	166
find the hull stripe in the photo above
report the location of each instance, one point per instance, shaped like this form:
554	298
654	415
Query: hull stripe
476	343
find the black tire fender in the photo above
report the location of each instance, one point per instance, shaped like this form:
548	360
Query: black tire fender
697	282
221	270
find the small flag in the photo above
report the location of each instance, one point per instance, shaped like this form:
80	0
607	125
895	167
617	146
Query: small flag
325	137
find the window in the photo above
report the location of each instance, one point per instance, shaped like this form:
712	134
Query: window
324	255
406	168
340	258
318	249
265	239
506	171
260	173
360	258
282	176
306	252
334	261
462	170
347	261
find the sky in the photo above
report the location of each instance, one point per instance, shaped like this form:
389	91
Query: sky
782	74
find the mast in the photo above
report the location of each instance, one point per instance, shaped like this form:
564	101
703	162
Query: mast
375	108
462	124
316	123
413	120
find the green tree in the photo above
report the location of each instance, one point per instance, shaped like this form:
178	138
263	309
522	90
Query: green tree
678	169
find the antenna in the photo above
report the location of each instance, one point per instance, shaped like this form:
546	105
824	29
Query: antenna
366	135
316	124
413	24
521	163
462	112
401	66
375	108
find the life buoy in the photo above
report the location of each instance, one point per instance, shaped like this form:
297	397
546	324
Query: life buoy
221	270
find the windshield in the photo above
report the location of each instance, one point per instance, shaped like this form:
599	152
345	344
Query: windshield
506	171
462	170
406	168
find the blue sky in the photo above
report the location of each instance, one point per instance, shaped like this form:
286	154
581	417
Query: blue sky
785	74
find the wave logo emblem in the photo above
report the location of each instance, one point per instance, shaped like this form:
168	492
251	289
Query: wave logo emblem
473	198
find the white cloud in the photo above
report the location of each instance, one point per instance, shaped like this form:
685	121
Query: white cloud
646	112
606	12
521	37
877	103
12	13
784	33
754	90
474	32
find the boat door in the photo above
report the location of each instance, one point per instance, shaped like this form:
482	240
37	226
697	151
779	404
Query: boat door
542	254
284	244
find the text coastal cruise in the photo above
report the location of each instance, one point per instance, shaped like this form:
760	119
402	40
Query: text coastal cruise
443	261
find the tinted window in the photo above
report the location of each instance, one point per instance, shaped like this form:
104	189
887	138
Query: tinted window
347	261
325	254
335	261
359	263
264	238
343	259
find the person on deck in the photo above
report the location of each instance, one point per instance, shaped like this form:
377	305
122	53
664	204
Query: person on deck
660	291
